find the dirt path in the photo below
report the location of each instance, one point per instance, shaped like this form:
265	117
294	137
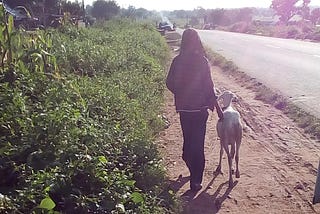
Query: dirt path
278	162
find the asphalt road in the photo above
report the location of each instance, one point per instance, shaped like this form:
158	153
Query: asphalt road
289	66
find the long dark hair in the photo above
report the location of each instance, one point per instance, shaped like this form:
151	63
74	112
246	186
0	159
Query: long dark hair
191	43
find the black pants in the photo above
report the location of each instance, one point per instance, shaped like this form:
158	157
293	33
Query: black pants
193	126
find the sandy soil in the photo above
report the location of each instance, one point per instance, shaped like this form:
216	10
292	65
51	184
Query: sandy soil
278	161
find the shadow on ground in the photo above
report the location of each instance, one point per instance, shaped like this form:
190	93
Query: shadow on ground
203	202
177	184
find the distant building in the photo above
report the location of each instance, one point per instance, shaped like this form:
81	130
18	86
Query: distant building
265	20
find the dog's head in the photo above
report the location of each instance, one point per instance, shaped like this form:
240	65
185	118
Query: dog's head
227	97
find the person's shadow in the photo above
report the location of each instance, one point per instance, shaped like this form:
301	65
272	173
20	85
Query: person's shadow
177	184
205	203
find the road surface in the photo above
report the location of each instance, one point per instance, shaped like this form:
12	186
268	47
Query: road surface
289	66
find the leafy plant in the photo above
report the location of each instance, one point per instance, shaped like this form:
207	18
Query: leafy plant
79	113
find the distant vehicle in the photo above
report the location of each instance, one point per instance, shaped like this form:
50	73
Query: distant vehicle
166	26
22	17
209	26
89	20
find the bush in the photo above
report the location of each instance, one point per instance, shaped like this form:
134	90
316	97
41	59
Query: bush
79	111
240	27
292	32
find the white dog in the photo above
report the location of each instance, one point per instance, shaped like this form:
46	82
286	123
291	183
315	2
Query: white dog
230	133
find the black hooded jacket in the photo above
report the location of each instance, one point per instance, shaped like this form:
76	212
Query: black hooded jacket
189	79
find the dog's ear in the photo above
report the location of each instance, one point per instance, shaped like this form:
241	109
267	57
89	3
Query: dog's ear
217	90
235	97
221	96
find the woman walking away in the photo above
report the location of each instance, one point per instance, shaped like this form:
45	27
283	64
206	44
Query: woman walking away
189	79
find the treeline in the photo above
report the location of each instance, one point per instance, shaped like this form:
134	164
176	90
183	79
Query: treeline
79	112
222	17
284	9
285	19
99	9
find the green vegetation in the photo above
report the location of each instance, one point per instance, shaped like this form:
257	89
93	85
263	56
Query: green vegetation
287	9
299	30
78	116
105	10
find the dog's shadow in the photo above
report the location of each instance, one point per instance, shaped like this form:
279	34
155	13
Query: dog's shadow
205	203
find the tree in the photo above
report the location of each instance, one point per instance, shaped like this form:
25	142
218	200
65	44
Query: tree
304	11
215	16
139	13
245	14
36	6
74	8
88	9
194	21
102	9
200	14
180	14
142	13
286	9
315	16
129	12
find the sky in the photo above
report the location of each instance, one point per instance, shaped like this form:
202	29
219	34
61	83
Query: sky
192	4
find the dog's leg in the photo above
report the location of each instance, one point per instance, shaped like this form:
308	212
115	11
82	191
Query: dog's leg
238	143
226	147
232	150
221	154
232	155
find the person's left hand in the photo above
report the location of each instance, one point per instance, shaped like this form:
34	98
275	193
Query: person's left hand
220	114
